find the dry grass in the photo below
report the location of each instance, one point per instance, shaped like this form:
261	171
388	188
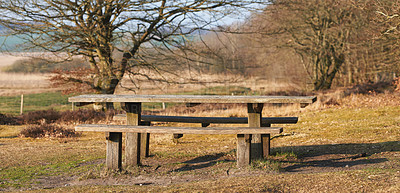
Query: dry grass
343	143
342	148
12	84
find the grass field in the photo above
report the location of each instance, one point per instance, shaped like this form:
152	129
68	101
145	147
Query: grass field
342	148
342	143
34	102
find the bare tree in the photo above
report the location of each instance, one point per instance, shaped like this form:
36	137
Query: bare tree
388	19
317	30
96	29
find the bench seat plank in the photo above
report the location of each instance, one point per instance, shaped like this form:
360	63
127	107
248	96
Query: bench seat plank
178	130
221	120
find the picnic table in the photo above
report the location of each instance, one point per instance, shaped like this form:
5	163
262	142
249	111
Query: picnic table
252	141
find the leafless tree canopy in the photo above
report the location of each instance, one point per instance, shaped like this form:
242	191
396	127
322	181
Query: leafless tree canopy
98	28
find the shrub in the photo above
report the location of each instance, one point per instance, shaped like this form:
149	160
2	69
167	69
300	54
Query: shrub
48	131
36	117
82	115
9	120
78	116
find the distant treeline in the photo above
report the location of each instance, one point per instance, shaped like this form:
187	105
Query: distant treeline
37	65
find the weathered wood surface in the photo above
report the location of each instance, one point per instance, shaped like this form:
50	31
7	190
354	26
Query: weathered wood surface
192	99
221	120
243	150
178	130
133	145
114	150
254	111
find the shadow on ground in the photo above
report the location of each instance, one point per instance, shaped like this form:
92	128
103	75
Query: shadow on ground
317	157
203	162
313	157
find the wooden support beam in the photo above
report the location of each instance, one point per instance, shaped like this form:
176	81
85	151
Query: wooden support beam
145	141
114	150
266	141
266	145
254	118
243	150
133	140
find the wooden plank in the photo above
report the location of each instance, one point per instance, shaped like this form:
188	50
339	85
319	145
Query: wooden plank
145	141
133	140
266	145
193	98
255	115
243	150
114	151
178	130
219	120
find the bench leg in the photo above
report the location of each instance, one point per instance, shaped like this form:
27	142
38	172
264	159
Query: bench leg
266	142
145	140
266	145
132	149
243	150
114	150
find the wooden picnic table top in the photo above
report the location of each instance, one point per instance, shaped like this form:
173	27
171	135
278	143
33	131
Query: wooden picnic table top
192	98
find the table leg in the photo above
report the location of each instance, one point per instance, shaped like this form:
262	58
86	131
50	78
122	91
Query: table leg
243	150
133	140
254	118
114	150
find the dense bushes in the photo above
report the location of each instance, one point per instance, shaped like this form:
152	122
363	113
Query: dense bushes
8	120
36	117
48	123
49	131
52	116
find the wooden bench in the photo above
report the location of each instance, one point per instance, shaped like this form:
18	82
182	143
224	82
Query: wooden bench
114	139
132	104
206	121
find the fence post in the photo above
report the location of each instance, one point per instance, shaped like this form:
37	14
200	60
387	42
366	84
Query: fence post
22	104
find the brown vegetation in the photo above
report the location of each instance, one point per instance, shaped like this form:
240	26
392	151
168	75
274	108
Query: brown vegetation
45	130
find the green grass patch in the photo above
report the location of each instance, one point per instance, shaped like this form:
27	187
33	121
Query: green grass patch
34	102
266	164
26	176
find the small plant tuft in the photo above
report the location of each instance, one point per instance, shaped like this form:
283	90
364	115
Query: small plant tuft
269	165
48	131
